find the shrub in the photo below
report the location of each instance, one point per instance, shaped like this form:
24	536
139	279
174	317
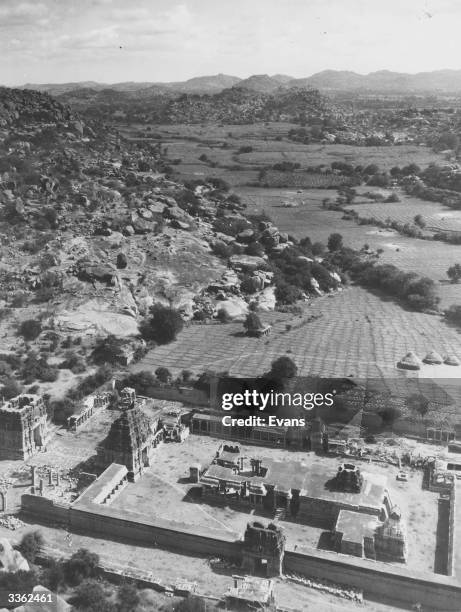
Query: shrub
10	387
82	564
143	382
335	242
30	545
283	368
128	597
454	273
163	326
30	329
90	595
163	374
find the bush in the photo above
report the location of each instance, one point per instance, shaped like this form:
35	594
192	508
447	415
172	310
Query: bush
283	368
335	242
90	596
107	350
10	387
143	382
83	564
128	597
454	273
163	374
30	545
453	314
163	326
30	329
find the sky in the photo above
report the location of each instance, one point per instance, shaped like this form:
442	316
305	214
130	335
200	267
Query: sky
56	41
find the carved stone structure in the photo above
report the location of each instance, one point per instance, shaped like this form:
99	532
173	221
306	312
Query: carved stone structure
263	549
390	538
23	427
131	439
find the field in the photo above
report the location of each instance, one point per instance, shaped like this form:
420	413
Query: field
436	216
356	334
270	144
309	218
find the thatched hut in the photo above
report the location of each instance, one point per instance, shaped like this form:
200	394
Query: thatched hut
451	360
410	362
433	358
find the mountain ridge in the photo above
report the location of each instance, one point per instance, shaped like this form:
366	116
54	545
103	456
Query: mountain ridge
445	80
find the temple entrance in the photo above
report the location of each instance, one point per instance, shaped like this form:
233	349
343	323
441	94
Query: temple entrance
37	436
145	457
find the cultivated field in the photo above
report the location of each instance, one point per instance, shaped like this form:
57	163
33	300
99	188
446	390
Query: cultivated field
357	334
436	216
309	218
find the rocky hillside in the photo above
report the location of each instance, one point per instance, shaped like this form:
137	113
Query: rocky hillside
20	107
94	232
233	105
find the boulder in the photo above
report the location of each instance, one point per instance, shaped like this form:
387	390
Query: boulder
11	560
247	262
266	299
145	213
233	308
141	226
122	261
246	235
180	225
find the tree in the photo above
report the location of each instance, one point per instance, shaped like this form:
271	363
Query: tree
283	368
107	350
163	326
335	242
30	329
83	564
53	575
252	323
454	273
163	374
9	387
31	544
419	221
128	597
90	595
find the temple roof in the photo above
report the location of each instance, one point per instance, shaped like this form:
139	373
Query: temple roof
128	432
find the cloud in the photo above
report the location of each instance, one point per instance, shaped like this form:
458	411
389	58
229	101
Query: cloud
22	13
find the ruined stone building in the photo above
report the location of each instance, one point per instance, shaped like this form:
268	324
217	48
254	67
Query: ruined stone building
131	438
23	426
263	549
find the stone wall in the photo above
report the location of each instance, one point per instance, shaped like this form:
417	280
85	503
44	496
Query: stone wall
380	580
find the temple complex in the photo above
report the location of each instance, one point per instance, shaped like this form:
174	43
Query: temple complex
23	426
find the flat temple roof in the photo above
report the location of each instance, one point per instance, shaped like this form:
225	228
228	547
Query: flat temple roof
310	482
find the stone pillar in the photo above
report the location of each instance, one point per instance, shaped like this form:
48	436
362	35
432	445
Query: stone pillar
50	477
42	486
58	478
33	470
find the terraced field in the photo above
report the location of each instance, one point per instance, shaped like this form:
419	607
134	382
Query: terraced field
354	333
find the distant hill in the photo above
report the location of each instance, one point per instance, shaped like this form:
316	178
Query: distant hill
202	84
262	83
327	80
384	81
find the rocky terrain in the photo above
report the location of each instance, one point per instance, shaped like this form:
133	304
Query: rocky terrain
94	231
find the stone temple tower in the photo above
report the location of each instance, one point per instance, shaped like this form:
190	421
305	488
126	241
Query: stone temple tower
130	440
